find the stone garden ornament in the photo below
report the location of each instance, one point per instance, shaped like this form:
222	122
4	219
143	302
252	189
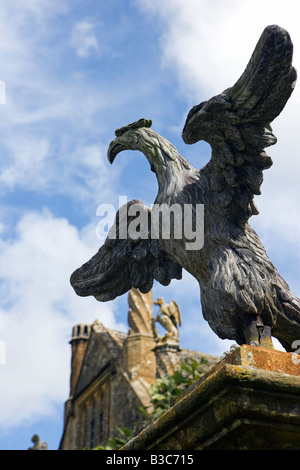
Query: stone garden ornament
243	296
169	316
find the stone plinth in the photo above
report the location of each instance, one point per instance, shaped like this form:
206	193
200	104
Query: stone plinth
167	358
249	401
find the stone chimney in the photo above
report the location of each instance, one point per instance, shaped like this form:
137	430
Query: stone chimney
79	342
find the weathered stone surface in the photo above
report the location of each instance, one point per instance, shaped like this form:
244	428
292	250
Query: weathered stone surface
260	358
169	316
243	296
239	404
112	373
140	311
168	358
79	341
138	357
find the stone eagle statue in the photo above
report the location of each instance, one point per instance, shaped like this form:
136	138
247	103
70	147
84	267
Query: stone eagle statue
243	296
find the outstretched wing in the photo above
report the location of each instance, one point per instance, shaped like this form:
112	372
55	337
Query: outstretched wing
128	258
175	312
237	125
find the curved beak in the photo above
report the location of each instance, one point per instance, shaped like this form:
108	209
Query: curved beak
114	148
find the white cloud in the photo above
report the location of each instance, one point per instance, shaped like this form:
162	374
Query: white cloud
29	154
47	113
37	311
84	39
209	43
51	116
67	165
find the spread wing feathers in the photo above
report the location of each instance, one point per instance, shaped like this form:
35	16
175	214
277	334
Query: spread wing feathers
174	311
267	82
237	125
126	259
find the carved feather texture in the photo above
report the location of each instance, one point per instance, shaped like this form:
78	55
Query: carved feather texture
236	278
121	264
237	125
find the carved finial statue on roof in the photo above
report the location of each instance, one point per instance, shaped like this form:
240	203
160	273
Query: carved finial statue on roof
37	444
140	311
169	316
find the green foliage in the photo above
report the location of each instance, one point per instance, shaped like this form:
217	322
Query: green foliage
168	388
115	443
163	393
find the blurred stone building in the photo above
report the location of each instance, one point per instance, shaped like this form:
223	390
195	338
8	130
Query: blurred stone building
111	373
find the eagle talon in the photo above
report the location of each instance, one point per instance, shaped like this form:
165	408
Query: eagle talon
254	343
259	335
233	347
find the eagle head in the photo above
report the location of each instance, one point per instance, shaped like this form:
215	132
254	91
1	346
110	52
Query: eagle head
164	159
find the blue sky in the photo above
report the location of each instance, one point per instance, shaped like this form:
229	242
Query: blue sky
75	70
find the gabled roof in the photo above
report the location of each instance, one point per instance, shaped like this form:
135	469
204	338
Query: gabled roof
104	350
